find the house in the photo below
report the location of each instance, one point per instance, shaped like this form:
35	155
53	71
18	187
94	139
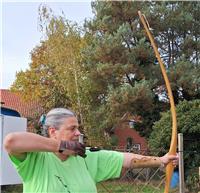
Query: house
130	140
9	112
126	137
28	109
11	100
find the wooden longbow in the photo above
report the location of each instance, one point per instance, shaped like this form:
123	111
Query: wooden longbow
173	144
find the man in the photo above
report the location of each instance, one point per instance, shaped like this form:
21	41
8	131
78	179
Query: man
59	163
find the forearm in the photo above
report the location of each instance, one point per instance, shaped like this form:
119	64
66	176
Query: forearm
21	142
139	161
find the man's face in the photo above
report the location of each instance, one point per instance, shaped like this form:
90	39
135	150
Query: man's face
67	131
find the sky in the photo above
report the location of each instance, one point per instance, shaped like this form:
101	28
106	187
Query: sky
20	34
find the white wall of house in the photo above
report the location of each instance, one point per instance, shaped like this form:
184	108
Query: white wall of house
8	124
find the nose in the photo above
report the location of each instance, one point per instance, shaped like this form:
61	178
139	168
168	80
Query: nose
77	133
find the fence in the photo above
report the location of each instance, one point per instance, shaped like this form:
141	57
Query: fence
146	179
136	180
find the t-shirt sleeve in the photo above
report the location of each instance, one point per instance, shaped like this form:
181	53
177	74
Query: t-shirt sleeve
26	167
104	164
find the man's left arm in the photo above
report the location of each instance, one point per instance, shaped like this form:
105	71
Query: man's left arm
132	160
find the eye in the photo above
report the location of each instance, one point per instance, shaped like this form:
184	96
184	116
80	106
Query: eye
73	129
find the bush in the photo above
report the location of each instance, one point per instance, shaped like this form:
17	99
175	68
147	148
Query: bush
192	181
188	122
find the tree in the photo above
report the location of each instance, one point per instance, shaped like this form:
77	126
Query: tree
176	28
121	66
120	59
109	68
188	121
56	76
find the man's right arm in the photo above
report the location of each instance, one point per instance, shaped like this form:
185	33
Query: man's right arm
19	143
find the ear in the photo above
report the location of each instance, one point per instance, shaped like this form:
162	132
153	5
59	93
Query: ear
52	132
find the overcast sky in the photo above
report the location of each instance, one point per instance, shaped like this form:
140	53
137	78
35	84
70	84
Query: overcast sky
19	31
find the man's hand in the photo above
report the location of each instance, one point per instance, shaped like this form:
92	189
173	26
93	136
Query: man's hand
72	148
170	158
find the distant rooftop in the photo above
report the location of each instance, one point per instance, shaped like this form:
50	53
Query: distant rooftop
11	100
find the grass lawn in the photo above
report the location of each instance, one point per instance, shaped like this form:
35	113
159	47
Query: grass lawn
12	189
105	187
125	187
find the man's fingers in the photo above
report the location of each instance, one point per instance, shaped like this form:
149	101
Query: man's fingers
82	154
172	157
82	145
75	148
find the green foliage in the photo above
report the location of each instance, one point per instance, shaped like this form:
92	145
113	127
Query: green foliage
109	68
56	76
114	140
193	181
120	64
176	28
119	58
188	121
128	99
185	79
176	25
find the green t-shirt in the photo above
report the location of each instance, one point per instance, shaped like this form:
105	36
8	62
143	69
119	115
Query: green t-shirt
44	172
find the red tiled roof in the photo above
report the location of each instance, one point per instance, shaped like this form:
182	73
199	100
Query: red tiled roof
14	101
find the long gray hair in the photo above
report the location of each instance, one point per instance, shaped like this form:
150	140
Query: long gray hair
54	118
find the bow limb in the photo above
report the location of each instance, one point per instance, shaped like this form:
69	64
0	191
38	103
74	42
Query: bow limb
173	144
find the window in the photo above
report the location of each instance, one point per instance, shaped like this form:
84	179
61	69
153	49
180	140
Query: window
136	147
131	146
